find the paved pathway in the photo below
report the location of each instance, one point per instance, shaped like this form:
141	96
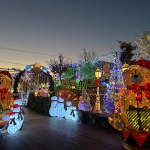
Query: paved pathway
41	132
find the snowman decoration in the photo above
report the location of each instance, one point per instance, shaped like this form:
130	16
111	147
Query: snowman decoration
12	128
16	108
73	113
68	111
53	109
60	108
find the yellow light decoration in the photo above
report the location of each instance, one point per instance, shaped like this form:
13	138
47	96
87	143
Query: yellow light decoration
73	87
98	73
142	71
124	67
37	65
42	85
35	93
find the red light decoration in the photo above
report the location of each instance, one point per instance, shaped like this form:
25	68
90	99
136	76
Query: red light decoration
2	92
138	89
140	138
125	134
15	106
67	91
97	81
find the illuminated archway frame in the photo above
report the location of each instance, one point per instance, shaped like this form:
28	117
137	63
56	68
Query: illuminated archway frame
36	68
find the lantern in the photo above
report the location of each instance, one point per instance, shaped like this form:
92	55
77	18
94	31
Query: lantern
98	73
124	67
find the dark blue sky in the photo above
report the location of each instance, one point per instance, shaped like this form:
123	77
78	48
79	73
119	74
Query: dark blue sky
56	26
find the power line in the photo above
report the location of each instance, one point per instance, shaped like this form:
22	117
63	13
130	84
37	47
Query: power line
18	50
12	62
24	51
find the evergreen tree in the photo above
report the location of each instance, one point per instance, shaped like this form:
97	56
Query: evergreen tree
116	82
87	70
84	103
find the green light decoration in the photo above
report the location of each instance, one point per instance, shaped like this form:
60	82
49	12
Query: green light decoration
77	81
69	73
87	70
59	83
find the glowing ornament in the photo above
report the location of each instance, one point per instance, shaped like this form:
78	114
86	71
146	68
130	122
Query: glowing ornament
27	67
37	65
103	82
45	69
68	111
77	81
53	110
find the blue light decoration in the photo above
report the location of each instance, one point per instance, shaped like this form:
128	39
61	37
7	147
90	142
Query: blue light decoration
53	109
115	83
68	111
60	108
103	82
45	69
74	113
27	67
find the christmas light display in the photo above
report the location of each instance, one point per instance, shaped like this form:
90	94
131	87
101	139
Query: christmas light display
68	111
134	121
144	43
53	110
19	117
12	128
74	113
60	107
84	103
116	82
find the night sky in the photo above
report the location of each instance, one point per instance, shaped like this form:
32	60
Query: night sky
57	26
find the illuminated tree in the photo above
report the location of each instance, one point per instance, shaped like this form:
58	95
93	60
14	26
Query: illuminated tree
143	46
116	82
144	43
87	70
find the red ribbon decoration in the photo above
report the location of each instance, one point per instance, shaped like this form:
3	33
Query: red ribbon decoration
138	89
97	81
2	92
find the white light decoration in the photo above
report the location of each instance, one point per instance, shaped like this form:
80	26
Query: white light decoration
19	118
74	113
12	128
31	66
53	109
60	108
68	111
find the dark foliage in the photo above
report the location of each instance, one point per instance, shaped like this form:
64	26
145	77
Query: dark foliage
126	52
17	80
39	104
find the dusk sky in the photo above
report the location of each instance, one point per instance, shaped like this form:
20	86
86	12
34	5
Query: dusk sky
57	26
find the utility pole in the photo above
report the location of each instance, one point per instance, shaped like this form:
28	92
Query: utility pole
60	66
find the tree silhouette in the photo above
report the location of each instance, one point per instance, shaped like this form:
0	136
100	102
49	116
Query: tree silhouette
126	52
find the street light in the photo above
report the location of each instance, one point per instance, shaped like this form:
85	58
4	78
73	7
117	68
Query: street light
97	81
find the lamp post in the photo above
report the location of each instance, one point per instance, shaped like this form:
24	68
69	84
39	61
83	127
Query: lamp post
97	108
124	67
